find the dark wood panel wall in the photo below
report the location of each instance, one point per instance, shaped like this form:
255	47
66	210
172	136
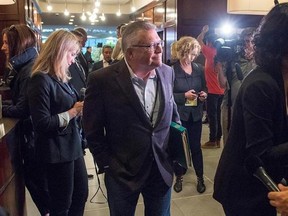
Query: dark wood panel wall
192	15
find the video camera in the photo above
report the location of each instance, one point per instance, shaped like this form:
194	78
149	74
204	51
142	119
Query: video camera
227	49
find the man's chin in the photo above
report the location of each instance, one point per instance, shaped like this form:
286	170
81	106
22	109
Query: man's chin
157	63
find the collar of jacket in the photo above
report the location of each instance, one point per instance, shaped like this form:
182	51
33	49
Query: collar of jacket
29	54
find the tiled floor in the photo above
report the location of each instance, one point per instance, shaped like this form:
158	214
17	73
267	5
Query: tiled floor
186	203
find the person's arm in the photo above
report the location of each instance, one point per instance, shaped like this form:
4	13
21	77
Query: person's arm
201	36
117	49
94	122
20	108
280	199
222	79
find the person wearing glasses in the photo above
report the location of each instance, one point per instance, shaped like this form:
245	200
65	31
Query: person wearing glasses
127	113
55	108
190	93
19	46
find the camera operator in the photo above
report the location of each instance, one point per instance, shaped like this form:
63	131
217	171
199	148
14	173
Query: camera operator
233	65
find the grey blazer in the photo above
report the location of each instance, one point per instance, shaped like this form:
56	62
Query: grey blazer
119	133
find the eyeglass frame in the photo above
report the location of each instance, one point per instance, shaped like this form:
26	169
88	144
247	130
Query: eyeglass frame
151	47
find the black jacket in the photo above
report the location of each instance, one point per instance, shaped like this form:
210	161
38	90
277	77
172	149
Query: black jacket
47	98
20	71
184	82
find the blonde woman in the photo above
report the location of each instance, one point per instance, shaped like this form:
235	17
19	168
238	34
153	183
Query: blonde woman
55	107
190	93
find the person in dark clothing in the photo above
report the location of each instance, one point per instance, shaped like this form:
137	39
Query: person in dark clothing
19	45
189	93
127	113
88	57
107	60
55	107
258	134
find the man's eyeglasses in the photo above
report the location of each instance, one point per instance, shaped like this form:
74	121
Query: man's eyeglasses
151	47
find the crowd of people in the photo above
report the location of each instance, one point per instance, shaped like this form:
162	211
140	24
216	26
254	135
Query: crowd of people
121	108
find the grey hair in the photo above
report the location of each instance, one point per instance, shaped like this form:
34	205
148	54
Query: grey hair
129	36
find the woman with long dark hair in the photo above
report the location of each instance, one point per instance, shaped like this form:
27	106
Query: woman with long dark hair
20	48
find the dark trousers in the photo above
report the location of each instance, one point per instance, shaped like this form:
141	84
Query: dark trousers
156	195
214	116
36	183
194	130
68	187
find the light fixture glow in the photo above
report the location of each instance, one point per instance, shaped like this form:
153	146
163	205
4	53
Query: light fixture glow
96	10
66	12
227	29
102	17
133	9
7	2
97	3
49	7
83	16
118	13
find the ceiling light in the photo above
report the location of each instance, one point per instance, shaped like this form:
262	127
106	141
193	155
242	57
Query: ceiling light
118	13
83	16
66	12
102	17
97	3
93	17
133	9
96	10
49	7
7	2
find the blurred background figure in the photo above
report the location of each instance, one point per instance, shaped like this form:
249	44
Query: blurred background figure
258	134
189	93
117	53
82	40
88	57
77	72
230	76
19	46
215	92
55	108
107	60
173	52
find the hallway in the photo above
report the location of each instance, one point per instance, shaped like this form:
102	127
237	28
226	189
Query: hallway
186	203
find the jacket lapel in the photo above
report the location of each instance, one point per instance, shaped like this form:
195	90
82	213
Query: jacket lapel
124	80
66	87
162	88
